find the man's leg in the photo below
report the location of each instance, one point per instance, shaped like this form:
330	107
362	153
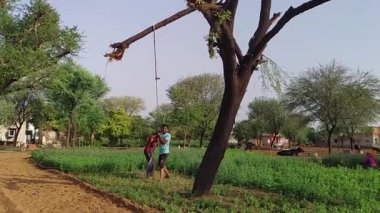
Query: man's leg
163	169
167	172
148	157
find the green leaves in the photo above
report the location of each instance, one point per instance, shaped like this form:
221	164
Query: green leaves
196	102
32	42
118	124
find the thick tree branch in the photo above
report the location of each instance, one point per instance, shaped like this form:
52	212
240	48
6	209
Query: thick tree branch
289	14
227	51
120	47
255	50
264	20
231	5
238	52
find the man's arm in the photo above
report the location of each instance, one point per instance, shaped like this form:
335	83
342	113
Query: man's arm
161	139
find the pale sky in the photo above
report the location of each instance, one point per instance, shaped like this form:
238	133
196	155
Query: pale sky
345	30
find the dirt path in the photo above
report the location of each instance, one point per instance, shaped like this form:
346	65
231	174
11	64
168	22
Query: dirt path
25	188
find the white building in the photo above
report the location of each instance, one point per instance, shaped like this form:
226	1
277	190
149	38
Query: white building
7	135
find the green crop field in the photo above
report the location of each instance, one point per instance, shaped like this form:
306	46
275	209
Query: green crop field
246	181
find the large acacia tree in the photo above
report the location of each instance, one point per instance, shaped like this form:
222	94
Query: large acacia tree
238	67
335	97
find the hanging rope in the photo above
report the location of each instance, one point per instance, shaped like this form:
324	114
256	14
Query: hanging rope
155	64
105	69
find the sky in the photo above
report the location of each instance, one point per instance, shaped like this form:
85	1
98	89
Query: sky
345	30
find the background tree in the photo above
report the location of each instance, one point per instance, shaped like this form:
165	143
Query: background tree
237	67
246	130
361	103
131	105
162	114
140	128
117	127
271	113
320	93
71	86
32	42
90	118
295	127
24	103
47	117
196	102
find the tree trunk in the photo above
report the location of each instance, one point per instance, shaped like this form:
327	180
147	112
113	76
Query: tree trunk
218	143
92	137
272	141
74	134
18	128
68	135
184	140
329	140
202	136
352	141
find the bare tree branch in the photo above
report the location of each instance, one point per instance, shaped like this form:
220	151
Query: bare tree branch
120	47
289	14
263	22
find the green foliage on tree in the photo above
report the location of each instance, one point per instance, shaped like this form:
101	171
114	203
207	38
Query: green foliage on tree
47	117
90	118
361	104
32	42
7	115
131	105
295	128
118	126
196	102
332	95
270	113
73	86
140	128
24	104
162	115
245	130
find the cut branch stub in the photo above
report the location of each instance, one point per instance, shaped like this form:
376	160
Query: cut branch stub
117	53
120	47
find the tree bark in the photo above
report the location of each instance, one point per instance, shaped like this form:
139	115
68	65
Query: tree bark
68	135
219	141
92	137
202	136
352	143
18	128
329	134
